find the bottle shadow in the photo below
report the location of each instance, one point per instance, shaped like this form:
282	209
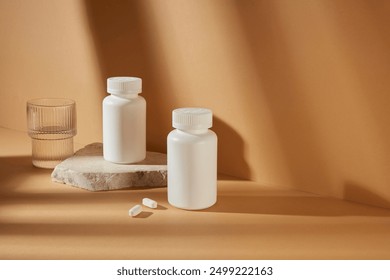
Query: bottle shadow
231	149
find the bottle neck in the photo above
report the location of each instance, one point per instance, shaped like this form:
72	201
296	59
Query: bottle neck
194	131
126	95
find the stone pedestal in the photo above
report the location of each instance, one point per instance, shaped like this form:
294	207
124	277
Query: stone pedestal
88	170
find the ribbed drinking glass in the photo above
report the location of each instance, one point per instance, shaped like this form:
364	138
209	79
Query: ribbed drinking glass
51	125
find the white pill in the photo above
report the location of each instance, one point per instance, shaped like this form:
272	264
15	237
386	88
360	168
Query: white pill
135	210
149	203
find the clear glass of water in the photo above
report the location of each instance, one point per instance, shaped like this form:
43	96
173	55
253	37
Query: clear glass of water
51	125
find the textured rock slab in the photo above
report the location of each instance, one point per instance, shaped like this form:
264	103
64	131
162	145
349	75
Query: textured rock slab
88	170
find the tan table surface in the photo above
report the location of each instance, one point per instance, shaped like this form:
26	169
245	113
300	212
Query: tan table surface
40	219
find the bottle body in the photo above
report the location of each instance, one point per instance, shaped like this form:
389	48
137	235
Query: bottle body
192	168
124	128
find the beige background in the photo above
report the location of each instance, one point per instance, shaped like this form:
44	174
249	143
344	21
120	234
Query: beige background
300	89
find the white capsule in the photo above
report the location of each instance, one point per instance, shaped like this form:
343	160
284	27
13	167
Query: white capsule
149	203
135	210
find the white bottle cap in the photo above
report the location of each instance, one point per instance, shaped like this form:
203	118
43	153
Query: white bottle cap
124	85
192	118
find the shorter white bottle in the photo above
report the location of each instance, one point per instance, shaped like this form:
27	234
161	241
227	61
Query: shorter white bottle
192	159
124	121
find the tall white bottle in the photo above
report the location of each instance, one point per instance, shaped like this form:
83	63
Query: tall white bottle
192	160
124	121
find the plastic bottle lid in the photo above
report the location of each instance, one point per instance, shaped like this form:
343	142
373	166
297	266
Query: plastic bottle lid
124	85
192	118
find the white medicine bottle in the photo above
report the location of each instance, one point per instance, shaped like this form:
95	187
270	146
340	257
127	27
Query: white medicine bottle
192	159
124	121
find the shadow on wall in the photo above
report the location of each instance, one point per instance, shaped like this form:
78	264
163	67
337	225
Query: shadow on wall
306	65
125	46
284	94
231	155
114	26
323	74
123	49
